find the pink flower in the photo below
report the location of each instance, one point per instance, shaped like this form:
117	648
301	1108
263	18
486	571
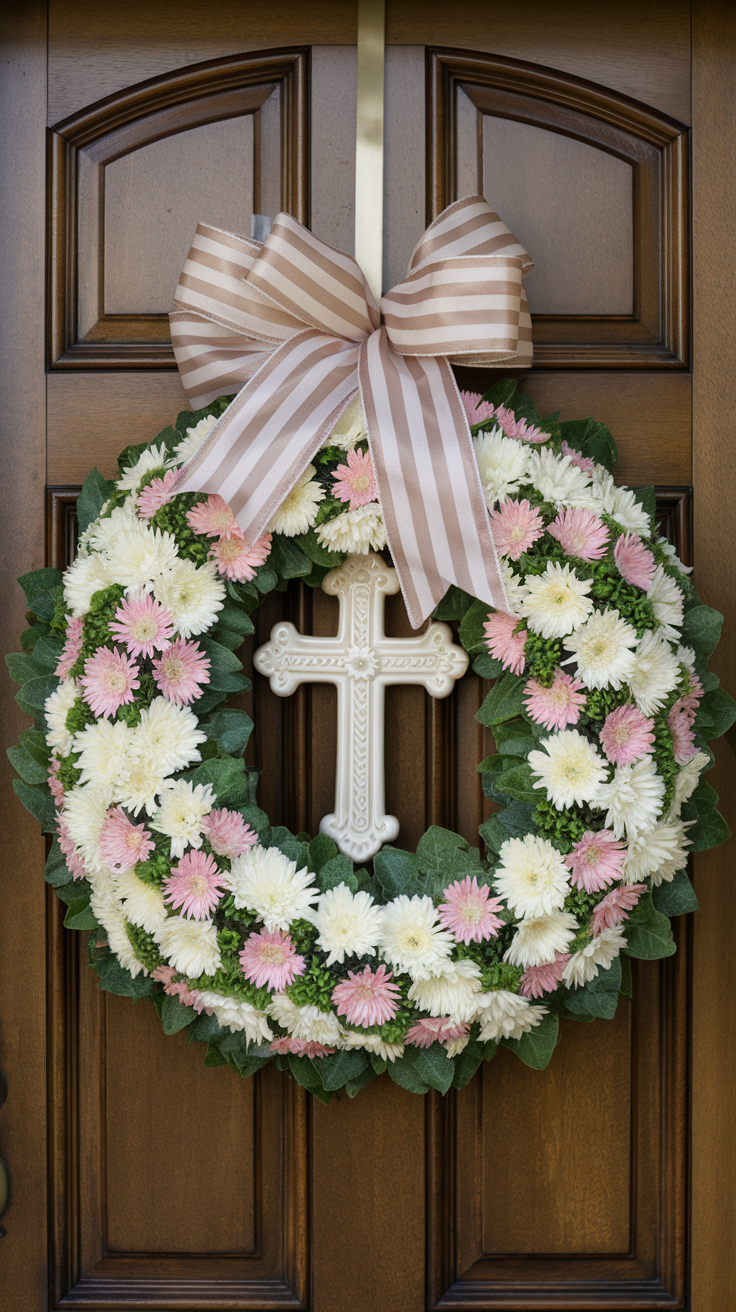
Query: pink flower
433	1029
367	998
516	528
691	699
109	681
163	974
476	409
683	739
195	885
227	833
469	911
143	624
582	462
300	1048
627	735
236	559
72	648
580	533
156	495
56	787
74	861
355	482
557	706
181	672
596	860
503	643
518	428
123	844
635	564
537	980
616	906
214	519
178	988
270	960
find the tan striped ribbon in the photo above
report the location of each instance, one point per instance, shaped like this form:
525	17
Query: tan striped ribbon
292	327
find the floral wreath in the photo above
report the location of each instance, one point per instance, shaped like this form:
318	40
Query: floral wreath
270	946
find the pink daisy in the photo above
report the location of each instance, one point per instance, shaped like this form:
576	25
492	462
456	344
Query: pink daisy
109	681
433	1029
163	975
72	648
181	672
516	527
469	911
683	739
227	833
519	429
156	495
236	559
596	860
367	998
691	699
537	980
56	787
214	519
355	482
627	735
195	885
300	1048
582	462
123	844
557	706
635	564
580	533
503	643
616	906
74	861
143	624
476	409
178	988
270	960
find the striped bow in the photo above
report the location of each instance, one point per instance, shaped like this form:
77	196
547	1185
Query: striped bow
292	327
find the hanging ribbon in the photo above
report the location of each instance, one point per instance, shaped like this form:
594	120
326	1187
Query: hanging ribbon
292	326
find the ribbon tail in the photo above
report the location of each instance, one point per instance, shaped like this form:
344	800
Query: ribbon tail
429	486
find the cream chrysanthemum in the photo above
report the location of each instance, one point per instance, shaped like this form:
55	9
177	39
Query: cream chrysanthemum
181	810
538	938
532	877
596	955
84	577
268	883
298	510
190	946
655	673
506	1015
193	440
514	588
103	533
349	428
236	1016
667	604
104	755
107	912
687	780
191	595
557	601
144	903
348	924
168	736
144	781
357	531
306	1023
658	852
154	457
558	479
413	940
56	709
602	650
633	798
620	503
454	993
85	812
373	1043
140	555
570	769
503	465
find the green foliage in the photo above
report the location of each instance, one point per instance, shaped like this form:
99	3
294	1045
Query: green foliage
591	439
229	731
174	1016
535	1048
708	825
227	776
599	997
454	604
96	491
677	897
701	629
648	932
504	701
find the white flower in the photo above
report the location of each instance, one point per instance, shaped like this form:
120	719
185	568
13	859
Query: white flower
85	576
669	551
538	938
193	440
503	465
56	708
85	812
596	955
138	791
154	457
454	993
686	656
413	940
236	1016
558	479
104	754
667	604
298	510
267	882
283	1010
192	596
139	555
453	1047
103	533
556	601
375	1044
506	1015
687	780
620	503
144	903
514	588
181	810
658	852
349	428
306	1023
168	735
108	913
602	650
532	877
349	924
190	946
357	531
570	770
655	672
633	799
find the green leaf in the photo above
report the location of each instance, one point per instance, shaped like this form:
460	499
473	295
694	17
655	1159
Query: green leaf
708	827
225	668
22	667
258	820
486	666
208	1028
513	821
56	871
337	871
514	737
504	701
288	558
39	802
35	691
404	1073
501	392
26	766
233	626
229	729
213	1057
648	932
468	1061
442	850
627	986
227	777
305	1073
174	1016
39	583
677	897
591	439
47	652
519	783
318	554
95	492
434	1067
80	915
535	1048
647	500
701	629
321	849
718	710
340	1067
115	979
396	871
454	604
353	1087
471	632
599	997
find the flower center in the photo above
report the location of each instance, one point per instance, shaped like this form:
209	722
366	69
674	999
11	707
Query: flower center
272	954
173	669
198	885
116	681
230	549
621	734
361	482
145	629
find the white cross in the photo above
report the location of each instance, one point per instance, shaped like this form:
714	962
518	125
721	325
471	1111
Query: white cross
361	661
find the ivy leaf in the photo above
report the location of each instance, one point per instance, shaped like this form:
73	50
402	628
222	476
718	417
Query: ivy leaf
225	668
337	871
22	667
504	701
340	1067
47	653
438	850
514	737
434	1067
468	1061
535	1048
318	554
513	821
213	1057
115	979
39	583
226	775
56	871
677	897
599	997
716	713
404	1073
590	439
646	498
396	871
258	820
519	783
35	691
708	825
648	932
501	392
233	626
95	492
174	1016
80	915
353	1087
288	559
486	666
293	848
701	630
305	1073
39	802
471	632
26	766
230	730
208	1028
453	605
321	849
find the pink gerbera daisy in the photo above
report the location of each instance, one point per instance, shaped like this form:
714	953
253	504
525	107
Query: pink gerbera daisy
504	643
71	649
597	860
156	494
214	519
143	624
195	885
616	906
557	706
627	735
236	559
469	911
74	861
582	462
300	1047
270	960
691	699
367	998
580	533
680	724
109	681
123	844
635	564
516	527
181	672
519	429
537	980
476	409
227	833
56	787
434	1029
178	988
355	482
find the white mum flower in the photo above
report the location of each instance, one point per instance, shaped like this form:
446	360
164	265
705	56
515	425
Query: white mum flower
503	465
557	601
181	810
85	576
686	656
357	531
267	882
190	946
667	604
144	781
538	938
669	551
620	503
103	533
413	940
654	674
570	769
192	596
144	903
108	913
168	736
687	780
85	812
658	852
56	708
633	799
283	1010
193	440
349	428
532	877
375	1044
309	1023
558	479
602	650
236	1016
454	993
349	924
154	457
515	589
298	510
596	955
506	1015
104	754
139	555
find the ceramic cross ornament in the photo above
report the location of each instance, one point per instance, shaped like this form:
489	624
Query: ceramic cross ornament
361	661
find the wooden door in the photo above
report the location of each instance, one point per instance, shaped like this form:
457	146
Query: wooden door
602	134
